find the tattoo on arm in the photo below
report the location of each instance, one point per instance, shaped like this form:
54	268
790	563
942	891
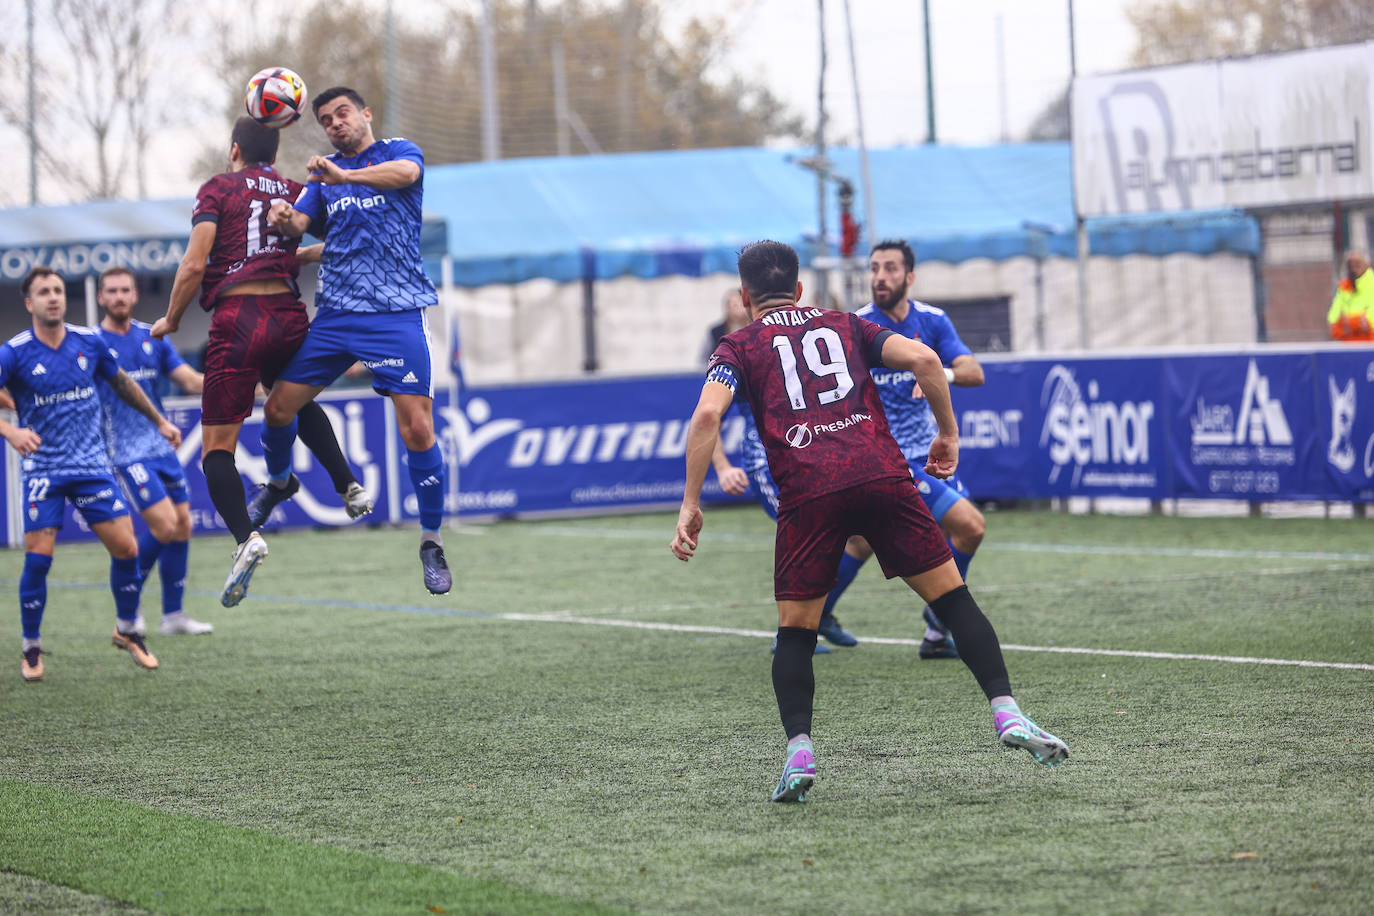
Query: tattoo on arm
130	393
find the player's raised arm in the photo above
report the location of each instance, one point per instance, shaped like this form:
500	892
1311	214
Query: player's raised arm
384	176
703	433
132	394
921	361
190	273
287	220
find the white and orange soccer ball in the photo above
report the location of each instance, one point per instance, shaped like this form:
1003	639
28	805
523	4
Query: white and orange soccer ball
275	97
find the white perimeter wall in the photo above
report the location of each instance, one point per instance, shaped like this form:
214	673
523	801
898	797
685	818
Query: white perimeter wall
534	330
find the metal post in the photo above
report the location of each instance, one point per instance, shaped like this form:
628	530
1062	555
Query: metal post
390	127
560	98
930	76
870	225
491	112
822	243
1084	249
33	110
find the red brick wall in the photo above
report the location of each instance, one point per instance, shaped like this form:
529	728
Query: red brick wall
1298	296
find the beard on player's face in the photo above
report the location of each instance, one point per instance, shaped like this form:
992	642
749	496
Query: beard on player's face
885	296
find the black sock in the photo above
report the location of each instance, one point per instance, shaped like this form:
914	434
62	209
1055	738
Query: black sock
226	492
314	429
976	639
794	681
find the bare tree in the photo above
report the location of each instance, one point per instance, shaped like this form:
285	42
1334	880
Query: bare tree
628	85
1178	31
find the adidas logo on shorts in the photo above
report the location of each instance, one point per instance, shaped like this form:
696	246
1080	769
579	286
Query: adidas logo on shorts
410	377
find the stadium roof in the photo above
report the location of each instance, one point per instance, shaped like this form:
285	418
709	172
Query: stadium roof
684	212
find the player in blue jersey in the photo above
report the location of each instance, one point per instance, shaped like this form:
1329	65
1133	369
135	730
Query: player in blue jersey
143	460
892	266
51	372
365	202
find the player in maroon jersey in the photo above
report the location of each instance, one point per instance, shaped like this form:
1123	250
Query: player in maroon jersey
246	273
805	373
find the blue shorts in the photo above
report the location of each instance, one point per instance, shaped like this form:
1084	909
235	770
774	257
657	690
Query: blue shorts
394	345
939	495
95	496
152	480
764	490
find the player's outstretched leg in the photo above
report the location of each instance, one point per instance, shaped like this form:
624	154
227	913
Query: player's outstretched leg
1015	729
982	653
315	430
794	685
799	773
246	559
268	496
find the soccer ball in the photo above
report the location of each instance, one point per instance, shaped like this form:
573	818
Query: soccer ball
275	97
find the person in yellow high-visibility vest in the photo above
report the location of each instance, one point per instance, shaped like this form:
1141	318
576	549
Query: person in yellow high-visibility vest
1352	310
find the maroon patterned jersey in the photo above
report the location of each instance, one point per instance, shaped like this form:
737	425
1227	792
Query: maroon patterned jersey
805	373
246	246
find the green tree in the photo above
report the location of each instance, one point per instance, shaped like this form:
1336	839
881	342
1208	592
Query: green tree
1178	31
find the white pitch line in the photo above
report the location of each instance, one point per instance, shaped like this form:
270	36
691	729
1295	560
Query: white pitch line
895	641
1214	553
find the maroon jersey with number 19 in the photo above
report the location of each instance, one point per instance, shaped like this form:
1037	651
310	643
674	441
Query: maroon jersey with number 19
246	247
805	373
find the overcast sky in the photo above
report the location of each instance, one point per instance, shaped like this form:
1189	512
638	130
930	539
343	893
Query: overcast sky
779	41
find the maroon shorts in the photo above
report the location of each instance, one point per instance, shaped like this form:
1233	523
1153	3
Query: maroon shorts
251	339
890	515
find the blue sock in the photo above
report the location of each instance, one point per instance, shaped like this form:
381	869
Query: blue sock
126	585
149	548
33	592
427	474
961	560
849	568
173	570
276	448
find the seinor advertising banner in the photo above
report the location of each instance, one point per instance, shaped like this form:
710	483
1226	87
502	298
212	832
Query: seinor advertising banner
1265	131
1265	424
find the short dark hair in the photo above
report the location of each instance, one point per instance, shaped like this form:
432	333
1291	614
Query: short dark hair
768	269
257	143
114	272
34	274
908	255
332	93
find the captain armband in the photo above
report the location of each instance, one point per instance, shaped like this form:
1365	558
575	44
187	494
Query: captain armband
724	374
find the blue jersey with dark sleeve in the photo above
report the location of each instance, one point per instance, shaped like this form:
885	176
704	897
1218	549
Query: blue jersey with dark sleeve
752	454
54	391
371	259
132	436
912	423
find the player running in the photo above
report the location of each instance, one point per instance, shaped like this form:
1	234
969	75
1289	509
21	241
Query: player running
51	372
805	374
246	274
365	202
891	271
143	461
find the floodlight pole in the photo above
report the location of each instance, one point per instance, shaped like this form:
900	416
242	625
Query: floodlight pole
389	41
1084	249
